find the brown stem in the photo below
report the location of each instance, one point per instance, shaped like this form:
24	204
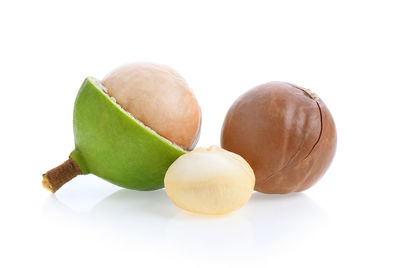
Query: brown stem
58	176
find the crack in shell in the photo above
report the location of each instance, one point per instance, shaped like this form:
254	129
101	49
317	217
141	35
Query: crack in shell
315	97
320	132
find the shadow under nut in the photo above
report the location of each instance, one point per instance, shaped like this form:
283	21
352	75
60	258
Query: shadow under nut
285	132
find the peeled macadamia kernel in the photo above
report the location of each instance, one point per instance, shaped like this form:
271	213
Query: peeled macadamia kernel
209	181
285	132
160	98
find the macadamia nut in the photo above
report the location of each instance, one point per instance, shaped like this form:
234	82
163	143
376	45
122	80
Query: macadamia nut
160	98
209	181
285	132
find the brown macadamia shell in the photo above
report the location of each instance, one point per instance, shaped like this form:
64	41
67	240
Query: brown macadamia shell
160	98
285	132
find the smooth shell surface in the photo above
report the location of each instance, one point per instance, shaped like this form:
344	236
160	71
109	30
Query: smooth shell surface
160	98
287	135
209	181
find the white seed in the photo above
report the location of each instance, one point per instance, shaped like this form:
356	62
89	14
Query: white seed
210	181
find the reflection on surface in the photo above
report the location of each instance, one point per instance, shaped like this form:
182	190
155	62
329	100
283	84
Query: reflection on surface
282	218
263	224
84	192
266	223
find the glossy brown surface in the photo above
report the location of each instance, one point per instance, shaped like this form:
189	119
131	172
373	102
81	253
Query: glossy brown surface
287	135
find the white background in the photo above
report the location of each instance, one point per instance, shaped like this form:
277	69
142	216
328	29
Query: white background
345	51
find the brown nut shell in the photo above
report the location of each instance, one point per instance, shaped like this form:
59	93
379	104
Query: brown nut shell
285	132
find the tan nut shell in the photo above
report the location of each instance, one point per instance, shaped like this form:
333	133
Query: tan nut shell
160	98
